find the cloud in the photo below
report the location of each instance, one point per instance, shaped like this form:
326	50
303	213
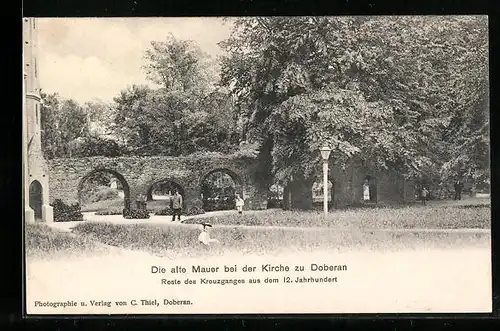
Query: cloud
87	58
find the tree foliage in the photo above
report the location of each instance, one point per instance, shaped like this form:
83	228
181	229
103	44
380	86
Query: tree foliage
179	65
406	93
69	129
190	113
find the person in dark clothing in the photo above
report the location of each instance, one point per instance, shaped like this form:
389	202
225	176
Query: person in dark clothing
458	190
176	205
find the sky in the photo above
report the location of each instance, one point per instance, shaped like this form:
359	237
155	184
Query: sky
94	58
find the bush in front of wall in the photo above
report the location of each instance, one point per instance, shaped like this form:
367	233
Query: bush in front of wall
66	213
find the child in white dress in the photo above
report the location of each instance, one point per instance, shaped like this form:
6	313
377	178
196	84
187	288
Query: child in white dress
204	237
239	204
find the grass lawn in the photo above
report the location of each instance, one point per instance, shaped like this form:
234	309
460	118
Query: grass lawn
43	241
163	240
299	231
441	216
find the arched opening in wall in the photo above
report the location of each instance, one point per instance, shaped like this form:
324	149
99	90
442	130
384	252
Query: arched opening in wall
318	193
36	198
275	196
159	193
419	186
219	188
104	190
370	189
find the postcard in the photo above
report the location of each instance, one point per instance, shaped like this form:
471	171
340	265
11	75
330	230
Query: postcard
256	165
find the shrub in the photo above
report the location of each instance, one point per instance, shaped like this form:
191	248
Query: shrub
274	203
226	203
66	213
135	214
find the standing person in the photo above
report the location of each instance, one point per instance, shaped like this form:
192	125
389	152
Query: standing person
366	190
458	190
176	205
425	194
239	204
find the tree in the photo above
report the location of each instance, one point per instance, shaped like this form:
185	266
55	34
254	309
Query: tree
98	146
160	122
383	90
101	116
438	74
52	143
179	65
190	113
130	117
64	126
270	60
72	125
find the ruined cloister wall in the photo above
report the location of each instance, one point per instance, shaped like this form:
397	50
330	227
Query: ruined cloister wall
140	173
391	187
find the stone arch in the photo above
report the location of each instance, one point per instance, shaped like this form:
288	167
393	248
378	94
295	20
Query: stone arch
234	176
317	190
175	181
275	195
238	186
36	198
121	179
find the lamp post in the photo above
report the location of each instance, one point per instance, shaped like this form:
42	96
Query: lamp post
325	154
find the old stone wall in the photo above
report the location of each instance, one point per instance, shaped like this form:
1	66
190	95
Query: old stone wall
138	174
391	188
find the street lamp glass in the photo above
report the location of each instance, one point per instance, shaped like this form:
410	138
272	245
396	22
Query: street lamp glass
325	152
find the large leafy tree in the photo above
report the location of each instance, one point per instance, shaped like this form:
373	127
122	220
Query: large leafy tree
131	118
189	113
101	116
160	122
389	91
435	76
179	65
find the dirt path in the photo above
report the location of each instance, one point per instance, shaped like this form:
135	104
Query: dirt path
153	220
